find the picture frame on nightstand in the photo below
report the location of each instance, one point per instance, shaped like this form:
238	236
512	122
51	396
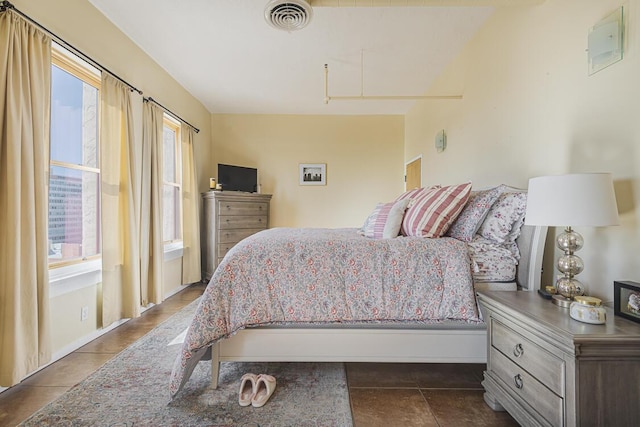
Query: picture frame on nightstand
626	300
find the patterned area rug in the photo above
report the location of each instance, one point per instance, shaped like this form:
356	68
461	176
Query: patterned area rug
132	390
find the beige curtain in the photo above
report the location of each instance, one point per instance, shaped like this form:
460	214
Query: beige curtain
25	88
190	206
151	246
119	222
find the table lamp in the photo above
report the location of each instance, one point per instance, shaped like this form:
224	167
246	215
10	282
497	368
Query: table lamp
585	199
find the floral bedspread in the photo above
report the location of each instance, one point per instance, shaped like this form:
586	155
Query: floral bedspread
287	275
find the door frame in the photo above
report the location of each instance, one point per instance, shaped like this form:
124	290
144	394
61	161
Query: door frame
405	170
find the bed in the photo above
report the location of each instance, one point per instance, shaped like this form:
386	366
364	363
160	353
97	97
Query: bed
337	295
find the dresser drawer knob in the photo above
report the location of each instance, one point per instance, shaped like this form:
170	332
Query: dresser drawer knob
518	350
259	219
228	207
518	381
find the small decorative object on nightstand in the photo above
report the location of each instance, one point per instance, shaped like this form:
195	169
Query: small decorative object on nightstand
588	310
546	369
626	300
584	199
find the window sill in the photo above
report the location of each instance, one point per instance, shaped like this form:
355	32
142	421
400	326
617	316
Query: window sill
172	251
71	278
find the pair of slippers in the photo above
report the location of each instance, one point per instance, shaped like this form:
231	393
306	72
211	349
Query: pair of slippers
255	390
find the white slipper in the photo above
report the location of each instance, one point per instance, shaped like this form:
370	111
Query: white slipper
247	389
265	386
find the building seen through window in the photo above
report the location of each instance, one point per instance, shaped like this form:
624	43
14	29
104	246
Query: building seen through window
74	175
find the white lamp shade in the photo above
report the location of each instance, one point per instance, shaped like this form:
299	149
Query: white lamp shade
572	200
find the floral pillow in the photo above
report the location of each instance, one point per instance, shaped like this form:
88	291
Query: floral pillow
385	220
491	262
505	218
434	209
474	213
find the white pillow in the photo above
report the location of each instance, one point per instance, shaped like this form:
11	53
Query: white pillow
385	220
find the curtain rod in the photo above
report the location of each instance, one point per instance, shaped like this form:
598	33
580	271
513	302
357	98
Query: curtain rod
150	99
5	5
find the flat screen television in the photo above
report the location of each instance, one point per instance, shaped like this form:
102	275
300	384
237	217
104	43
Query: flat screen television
238	178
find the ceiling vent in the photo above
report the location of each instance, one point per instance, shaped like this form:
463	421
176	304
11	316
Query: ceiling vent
288	15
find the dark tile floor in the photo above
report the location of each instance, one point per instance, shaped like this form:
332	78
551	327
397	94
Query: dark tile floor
408	395
381	394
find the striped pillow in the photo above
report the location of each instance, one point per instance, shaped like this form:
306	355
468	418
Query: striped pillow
385	220
434	209
411	194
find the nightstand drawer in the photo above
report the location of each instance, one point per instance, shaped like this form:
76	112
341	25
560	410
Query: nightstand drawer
545	367
242	208
545	402
244	221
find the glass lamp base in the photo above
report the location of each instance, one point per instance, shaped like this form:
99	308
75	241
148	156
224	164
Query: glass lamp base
569	287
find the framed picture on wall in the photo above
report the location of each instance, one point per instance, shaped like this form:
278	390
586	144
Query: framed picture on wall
313	174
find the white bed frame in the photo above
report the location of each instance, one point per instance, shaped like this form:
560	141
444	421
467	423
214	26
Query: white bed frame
427	344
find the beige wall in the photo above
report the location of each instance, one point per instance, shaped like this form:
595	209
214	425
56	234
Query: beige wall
530	108
82	26
65	310
363	156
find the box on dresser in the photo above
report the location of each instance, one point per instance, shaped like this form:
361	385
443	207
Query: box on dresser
548	369
229	216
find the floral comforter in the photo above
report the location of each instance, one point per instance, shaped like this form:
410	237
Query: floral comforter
287	275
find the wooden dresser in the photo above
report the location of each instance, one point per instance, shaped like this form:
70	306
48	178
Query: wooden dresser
548	369
229	216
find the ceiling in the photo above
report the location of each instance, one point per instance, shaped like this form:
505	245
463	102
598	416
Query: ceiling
226	55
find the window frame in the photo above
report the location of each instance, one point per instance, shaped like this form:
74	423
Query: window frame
70	63
174	125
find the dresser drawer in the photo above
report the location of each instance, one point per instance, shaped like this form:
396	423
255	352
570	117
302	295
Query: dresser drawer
242	221
547	404
242	208
234	236
223	248
541	364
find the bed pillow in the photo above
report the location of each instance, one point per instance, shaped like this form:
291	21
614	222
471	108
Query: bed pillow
434	209
505	218
385	220
474	213
491	262
412	194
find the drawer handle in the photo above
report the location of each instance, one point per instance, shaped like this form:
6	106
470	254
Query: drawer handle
228	207
518	350
259	208
518	381
259	219
227	220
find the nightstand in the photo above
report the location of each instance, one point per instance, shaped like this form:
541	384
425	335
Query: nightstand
548	369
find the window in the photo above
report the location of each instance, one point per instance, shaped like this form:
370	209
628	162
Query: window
172	181
74	175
